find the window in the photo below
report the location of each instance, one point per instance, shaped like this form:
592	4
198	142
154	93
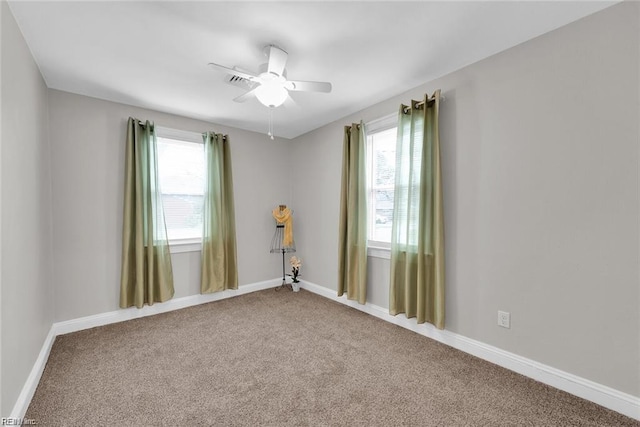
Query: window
381	162
182	173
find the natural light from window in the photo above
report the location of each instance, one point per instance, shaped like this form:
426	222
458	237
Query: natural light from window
381	159
181	169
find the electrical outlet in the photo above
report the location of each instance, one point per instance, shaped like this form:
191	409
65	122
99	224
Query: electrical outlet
504	319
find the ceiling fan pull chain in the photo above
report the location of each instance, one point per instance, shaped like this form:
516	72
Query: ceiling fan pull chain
270	133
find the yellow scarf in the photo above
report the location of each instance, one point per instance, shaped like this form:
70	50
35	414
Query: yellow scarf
284	216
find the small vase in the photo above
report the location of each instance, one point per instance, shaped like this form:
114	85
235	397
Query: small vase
295	286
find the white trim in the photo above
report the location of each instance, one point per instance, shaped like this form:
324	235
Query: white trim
377	252
177	246
74	325
122	315
180	135
608	397
383	123
602	395
30	385
378	244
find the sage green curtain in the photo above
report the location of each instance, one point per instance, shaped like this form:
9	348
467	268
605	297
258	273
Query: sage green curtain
146	275
352	264
219	265
417	240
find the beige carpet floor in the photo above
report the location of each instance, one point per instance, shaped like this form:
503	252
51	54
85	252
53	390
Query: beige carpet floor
286	359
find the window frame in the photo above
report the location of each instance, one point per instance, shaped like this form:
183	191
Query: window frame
377	248
189	244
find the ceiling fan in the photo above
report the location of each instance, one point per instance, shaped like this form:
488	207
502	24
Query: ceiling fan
270	86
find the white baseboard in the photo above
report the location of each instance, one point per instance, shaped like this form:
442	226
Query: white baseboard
149	310
65	327
602	395
608	397
29	389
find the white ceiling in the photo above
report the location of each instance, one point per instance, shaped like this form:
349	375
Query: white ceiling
154	54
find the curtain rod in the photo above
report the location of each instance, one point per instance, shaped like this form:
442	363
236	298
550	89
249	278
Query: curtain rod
421	103
143	124
406	109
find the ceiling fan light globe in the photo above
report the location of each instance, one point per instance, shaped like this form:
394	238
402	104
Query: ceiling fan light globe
271	94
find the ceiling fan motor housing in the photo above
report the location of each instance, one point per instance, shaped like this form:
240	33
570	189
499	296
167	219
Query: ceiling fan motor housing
264	69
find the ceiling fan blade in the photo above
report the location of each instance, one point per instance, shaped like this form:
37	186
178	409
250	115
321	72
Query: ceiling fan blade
239	73
277	60
246	96
299	86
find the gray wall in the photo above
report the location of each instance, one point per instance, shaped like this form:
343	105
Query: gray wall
540	158
26	245
540	163
87	163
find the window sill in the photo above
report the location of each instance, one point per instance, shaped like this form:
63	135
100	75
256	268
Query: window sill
187	245
378	252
